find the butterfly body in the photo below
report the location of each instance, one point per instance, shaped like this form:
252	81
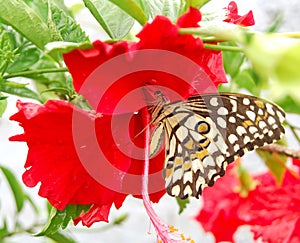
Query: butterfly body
205	133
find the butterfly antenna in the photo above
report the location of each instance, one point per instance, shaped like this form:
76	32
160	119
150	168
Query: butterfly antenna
143	130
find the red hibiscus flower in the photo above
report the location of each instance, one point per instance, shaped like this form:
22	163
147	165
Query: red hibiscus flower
95	158
221	206
271	211
235	18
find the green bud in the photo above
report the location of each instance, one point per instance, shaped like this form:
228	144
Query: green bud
278	58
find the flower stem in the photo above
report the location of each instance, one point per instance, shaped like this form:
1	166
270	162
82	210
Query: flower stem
38	71
275	148
222	31
222	48
293	129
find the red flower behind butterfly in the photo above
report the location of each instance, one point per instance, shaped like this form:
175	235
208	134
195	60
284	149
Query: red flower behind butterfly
235	18
272	211
55	154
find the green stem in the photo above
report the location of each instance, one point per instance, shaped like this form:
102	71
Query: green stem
39	71
223	31
222	48
293	129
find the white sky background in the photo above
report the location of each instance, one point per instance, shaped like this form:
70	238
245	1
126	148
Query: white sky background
13	155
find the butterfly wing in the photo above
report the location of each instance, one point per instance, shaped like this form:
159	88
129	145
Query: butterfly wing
206	133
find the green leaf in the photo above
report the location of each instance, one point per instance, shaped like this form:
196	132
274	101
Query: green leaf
16	52
133	9
119	220
197	3
54	32
69	30
41	88
247	183
45	63
245	80
3	230
16	188
3	104
59	219
39	7
6	50
232	61
27	22
54	222
7	87
31	202
64	47
170	8
276	23
275	162
115	22
27	56
60	237
14	84
182	203
72	212
289	105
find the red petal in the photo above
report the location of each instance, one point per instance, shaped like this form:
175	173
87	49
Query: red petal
179	62
296	162
189	19
283	230
233	17
53	155
95	214
221	207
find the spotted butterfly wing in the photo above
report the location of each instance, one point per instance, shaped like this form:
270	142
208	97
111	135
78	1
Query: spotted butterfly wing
206	133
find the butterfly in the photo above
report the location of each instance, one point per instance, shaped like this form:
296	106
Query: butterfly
205	133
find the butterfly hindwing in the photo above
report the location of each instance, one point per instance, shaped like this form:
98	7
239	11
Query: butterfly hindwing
206	133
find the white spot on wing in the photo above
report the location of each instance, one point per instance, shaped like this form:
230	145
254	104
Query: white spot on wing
176	190
262	124
177	175
221	122
222	111
232	138
236	147
253	129
187	190
219	160
188	176
212	148
181	133
270	109
208	161
211	173
251	115
246	101
232	119
246	139
280	116
241	130
196	165
234	104
271	120
156	140
214	101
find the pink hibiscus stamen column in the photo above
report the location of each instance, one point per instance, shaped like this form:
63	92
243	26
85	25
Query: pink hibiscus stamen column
165	233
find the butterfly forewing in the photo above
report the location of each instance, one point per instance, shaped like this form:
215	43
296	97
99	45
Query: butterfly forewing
206	133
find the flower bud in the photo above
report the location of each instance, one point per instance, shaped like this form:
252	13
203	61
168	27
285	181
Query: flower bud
276	57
